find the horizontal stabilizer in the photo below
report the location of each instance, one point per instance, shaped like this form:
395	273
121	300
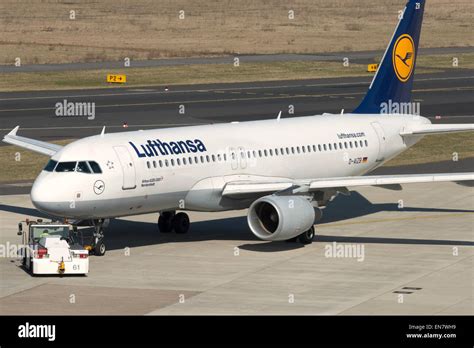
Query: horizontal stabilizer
425	129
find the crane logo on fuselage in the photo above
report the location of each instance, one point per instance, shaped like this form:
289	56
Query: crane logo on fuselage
157	147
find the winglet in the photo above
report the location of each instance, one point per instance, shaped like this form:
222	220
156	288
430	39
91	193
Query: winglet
14	130
279	116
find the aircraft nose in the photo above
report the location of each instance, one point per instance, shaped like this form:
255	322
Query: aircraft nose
43	196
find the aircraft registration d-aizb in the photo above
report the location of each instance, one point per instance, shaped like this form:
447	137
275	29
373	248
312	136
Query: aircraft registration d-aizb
284	170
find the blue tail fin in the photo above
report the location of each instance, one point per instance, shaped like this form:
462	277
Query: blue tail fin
394	78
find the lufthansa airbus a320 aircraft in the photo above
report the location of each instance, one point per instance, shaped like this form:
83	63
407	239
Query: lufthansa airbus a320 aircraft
284	170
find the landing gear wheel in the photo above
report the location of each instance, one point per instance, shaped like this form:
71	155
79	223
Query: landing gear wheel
181	223
99	248
307	237
165	222
292	240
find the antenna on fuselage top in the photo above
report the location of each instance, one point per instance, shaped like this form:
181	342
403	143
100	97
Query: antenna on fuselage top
103	132
279	116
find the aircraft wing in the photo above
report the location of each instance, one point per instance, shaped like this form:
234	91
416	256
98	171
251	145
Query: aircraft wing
241	188
31	144
425	129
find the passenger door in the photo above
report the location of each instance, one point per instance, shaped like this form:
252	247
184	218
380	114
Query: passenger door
242	157
382	141
128	167
234	161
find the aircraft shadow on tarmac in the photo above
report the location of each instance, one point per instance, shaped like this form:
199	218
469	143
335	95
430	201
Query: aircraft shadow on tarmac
125	233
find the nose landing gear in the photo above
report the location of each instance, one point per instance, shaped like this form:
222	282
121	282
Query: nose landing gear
170	221
98	245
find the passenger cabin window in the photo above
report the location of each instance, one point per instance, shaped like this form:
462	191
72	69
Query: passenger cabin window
65	167
50	166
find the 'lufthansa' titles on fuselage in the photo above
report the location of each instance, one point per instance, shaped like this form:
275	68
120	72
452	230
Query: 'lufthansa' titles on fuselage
157	147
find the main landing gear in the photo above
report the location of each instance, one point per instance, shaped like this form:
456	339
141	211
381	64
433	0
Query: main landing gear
304	238
170	221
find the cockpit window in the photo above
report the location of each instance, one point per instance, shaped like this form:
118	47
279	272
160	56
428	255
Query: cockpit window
95	167
83	167
65	167
50	165
87	167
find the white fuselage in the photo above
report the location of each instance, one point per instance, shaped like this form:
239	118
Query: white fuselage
138	179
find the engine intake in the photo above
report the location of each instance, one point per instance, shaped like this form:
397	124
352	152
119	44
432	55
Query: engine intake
276	218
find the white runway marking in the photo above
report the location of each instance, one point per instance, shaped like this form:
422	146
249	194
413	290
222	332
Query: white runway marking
224	89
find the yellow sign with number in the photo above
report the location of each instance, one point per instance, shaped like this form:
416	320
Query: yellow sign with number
112	78
372	67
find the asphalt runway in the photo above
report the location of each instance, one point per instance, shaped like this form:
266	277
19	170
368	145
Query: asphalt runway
446	94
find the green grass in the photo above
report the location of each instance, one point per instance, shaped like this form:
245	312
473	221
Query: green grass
19	164
436	148
431	149
188	74
209	73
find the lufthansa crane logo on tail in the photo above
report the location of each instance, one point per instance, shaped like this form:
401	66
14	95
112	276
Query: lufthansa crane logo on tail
404	57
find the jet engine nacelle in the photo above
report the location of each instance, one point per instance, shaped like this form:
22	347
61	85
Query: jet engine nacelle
276	218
